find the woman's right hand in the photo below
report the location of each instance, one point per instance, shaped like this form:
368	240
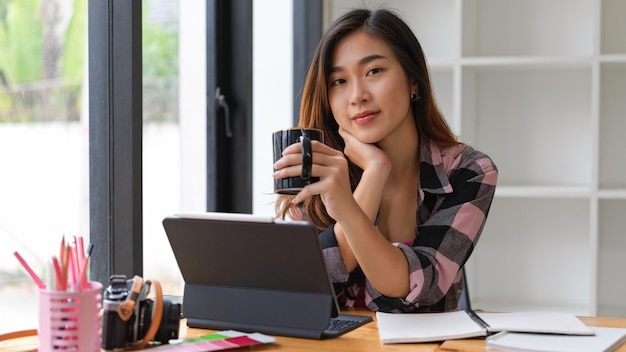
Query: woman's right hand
331	167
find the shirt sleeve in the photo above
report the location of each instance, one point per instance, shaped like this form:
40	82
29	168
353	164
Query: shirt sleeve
334	262
345	284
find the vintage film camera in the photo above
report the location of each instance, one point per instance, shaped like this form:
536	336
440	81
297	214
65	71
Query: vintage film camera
131	319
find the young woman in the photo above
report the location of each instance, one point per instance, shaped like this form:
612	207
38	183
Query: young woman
400	203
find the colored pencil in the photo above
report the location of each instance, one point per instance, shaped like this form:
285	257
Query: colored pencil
30	271
82	278
60	278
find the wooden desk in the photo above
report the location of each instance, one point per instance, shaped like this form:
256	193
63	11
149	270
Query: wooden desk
366	339
363	339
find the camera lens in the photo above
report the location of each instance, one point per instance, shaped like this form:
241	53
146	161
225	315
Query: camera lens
170	321
169	325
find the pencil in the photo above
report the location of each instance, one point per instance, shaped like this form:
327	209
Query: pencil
30	271
82	278
62	249
60	278
81	250
65	261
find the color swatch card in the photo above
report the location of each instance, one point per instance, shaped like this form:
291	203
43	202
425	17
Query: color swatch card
219	341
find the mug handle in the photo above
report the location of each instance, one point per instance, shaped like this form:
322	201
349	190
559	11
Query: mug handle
307	157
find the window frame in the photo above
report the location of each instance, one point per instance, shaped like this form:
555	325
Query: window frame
307	32
115	138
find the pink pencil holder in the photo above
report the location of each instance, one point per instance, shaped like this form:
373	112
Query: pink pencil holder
70	321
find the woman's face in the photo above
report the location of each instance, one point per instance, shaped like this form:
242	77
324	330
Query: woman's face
368	91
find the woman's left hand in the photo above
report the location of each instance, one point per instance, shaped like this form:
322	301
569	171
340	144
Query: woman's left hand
364	155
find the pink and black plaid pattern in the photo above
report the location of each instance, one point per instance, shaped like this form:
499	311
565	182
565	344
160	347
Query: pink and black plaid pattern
457	185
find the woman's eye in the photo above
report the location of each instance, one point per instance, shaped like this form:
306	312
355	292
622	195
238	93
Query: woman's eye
338	82
374	71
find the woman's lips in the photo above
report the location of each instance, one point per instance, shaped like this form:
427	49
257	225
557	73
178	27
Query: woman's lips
364	117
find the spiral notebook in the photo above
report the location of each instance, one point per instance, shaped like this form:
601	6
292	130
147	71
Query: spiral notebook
430	327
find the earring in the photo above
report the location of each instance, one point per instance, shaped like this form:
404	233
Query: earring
414	97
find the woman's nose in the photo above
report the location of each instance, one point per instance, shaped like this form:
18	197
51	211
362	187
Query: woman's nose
359	93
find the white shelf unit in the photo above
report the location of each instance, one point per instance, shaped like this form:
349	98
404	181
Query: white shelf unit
539	85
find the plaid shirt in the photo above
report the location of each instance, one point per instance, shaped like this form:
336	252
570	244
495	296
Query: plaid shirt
457	185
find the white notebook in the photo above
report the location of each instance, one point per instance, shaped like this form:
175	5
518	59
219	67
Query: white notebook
605	339
428	327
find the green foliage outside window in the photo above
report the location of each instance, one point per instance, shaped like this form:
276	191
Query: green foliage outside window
160	69
43	57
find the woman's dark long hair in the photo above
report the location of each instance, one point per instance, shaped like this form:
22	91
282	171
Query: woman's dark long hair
315	109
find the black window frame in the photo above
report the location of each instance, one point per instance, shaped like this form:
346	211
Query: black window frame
115	138
307	31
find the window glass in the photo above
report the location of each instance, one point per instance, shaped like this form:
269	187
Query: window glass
161	139
44	144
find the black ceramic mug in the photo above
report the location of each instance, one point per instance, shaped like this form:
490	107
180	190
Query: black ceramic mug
284	138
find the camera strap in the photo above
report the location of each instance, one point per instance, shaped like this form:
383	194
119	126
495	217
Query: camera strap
126	309
157	314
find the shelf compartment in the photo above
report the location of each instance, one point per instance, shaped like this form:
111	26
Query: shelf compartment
613	30
433	22
434	25
515	116
612	169
530	253
611	258
528	27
